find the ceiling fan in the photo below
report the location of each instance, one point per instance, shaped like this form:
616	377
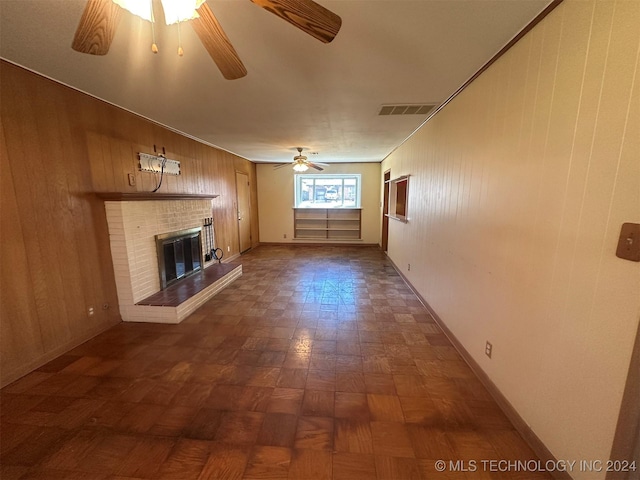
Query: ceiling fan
301	164
100	18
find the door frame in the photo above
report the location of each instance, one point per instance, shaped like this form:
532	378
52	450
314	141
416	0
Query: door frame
384	241
626	442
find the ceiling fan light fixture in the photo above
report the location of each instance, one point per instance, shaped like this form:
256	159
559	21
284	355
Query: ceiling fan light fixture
139	8
174	10
100	18
300	167
180	10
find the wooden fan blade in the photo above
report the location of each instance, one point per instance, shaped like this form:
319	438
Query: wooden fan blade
276	167
307	15
313	165
217	44
97	27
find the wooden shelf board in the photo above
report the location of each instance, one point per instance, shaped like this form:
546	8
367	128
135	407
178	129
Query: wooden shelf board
334	229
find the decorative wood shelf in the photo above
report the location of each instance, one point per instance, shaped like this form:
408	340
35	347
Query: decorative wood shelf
134	196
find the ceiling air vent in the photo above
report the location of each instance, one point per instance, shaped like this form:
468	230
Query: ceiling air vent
422	109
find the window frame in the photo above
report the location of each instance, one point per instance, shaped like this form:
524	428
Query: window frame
399	198
300	177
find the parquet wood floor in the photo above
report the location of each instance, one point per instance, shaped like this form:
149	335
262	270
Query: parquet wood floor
319	362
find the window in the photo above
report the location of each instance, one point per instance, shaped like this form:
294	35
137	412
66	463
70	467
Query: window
327	191
398	196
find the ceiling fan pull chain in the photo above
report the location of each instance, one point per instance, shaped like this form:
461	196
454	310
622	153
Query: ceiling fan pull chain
154	47
180	51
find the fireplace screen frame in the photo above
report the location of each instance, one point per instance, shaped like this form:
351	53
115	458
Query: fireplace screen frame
172	237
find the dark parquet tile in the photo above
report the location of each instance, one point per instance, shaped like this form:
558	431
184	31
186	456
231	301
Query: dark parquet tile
353	466
319	362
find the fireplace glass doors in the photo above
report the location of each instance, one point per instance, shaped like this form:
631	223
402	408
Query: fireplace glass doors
179	255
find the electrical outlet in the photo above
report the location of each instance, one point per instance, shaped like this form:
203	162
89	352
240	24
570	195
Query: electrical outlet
408	267
285	235
90	311
228	248
488	348
132	179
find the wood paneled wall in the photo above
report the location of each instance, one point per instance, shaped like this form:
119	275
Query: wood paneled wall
59	147
518	189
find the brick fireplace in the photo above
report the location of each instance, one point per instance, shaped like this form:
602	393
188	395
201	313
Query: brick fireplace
134	229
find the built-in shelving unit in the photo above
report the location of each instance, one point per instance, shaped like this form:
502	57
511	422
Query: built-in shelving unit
327	223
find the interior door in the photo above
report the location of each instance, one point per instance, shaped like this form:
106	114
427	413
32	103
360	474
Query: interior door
385	211
244	211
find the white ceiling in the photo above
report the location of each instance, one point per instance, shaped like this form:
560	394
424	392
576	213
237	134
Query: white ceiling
298	91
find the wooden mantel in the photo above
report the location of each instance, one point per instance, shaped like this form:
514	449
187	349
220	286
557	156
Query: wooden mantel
134	196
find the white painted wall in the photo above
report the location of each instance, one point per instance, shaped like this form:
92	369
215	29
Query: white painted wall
518	190
275	201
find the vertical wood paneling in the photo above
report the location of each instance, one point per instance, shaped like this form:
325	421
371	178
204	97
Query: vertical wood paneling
523	181
59	148
29	159
19	311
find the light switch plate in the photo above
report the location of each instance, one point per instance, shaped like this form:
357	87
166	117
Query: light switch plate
629	242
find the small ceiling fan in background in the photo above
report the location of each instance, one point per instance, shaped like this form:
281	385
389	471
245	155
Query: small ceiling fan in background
301	164
100	19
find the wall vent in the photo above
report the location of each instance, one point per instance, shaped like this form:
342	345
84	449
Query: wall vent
406	109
